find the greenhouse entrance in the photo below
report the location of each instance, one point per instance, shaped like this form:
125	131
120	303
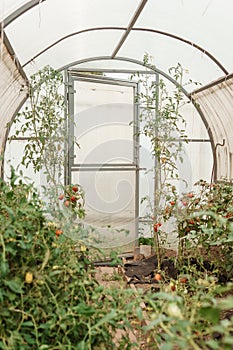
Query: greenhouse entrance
103	154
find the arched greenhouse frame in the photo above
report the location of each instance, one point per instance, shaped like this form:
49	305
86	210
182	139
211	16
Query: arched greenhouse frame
119	115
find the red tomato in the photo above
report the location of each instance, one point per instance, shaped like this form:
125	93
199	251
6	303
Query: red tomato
61	197
156	226
73	199
172	203
158	277
183	280
58	232
75	189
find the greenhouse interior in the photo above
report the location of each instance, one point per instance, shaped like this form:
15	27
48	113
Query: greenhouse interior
116	161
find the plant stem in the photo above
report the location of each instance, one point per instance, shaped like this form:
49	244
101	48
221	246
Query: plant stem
3	249
34	322
194	345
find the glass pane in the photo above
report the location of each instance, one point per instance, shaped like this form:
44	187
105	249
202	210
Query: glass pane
110	205
103	113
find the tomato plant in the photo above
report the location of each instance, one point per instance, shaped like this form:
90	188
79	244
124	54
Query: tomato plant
206	223
49	296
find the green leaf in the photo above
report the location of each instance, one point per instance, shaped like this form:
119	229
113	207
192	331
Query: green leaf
154	323
226	304
228	340
106	319
167	346
84	309
14	286
139	313
168	296
82	345
29	339
210	314
4	268
28	324
46	259
212	344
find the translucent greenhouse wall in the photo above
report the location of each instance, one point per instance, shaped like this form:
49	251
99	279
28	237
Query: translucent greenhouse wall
216	103
13	91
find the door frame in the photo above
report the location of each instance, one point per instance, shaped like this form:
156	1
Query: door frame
74	75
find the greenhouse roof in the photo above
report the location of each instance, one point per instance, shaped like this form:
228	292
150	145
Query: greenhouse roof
197	34
115	35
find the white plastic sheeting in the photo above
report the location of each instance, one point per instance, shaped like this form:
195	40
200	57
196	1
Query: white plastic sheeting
56	31
13	91
110	34
216	104
197	34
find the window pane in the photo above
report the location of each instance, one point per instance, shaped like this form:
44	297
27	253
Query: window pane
110	205
103	113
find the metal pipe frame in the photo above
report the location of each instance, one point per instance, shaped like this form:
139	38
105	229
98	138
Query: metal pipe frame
73	169
7	134
136	156
130	26
212	84
166	76
100	79
104	167
24	138
13	56
131	60
113	56
19	12
8	20
70	127
30	4
109	70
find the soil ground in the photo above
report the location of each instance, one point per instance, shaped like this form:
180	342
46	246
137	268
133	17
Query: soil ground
140	274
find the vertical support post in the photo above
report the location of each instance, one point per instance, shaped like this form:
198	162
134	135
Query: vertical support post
70	128
156	160
156	175
66	129
136	156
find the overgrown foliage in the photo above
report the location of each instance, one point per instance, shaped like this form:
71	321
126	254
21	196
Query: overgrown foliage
204	222
49	297
190	315
162	123
43	121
